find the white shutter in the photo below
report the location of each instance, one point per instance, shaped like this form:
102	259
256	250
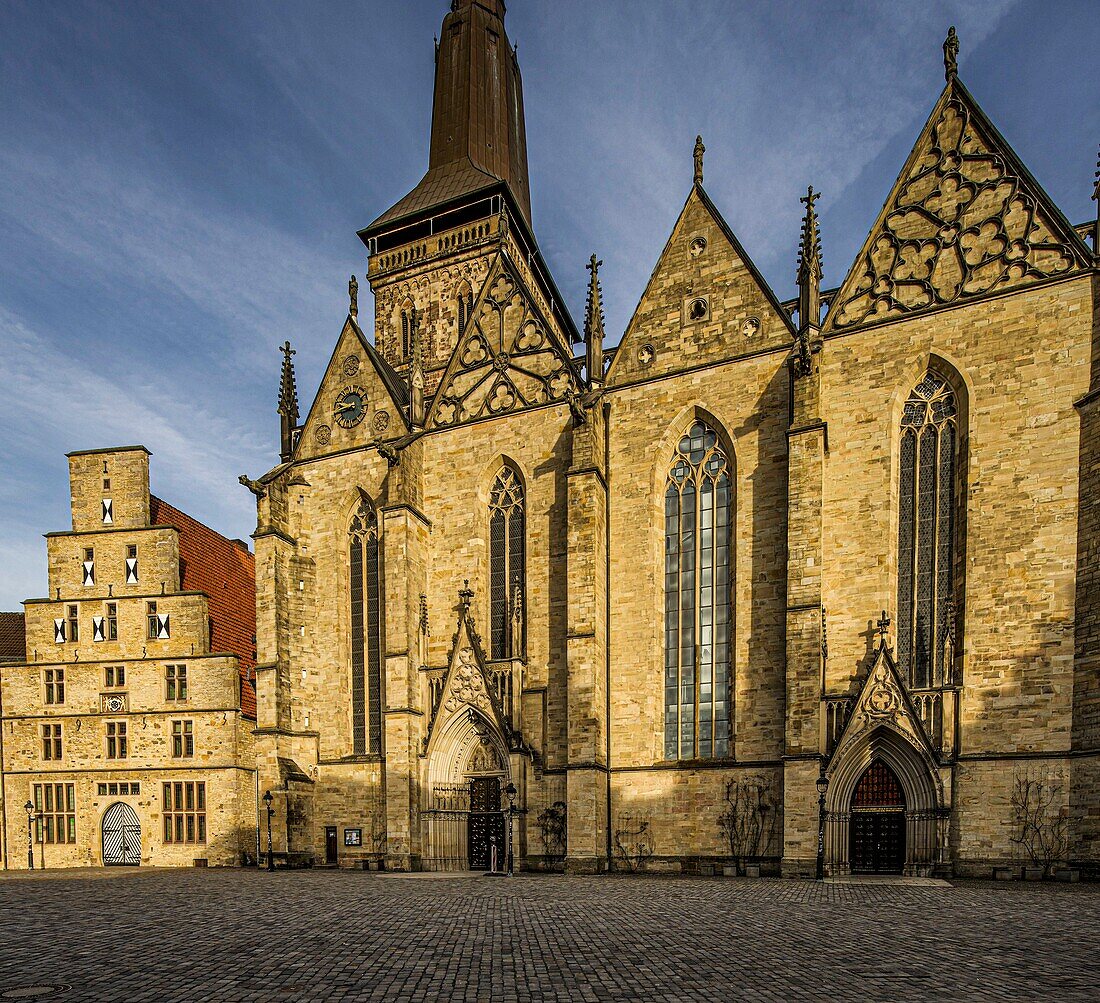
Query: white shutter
97	628
108	511
162	627
59	631
131	571
89	572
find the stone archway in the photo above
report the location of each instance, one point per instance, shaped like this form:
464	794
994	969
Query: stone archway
468	765
921	798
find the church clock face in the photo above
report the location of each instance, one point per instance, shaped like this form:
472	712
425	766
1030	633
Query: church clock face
350	407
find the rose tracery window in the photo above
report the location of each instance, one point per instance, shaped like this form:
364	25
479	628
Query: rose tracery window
927	502
365	571
698	498
507	579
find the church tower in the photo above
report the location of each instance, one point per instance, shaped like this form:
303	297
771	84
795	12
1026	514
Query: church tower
431	252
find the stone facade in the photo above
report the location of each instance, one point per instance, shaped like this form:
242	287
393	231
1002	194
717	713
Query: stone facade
557	682
146	632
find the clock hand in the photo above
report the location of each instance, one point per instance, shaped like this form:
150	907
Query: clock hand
346	407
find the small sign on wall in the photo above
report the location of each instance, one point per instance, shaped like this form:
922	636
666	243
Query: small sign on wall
353	837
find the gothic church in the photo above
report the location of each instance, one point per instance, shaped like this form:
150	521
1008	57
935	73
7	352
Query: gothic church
659	598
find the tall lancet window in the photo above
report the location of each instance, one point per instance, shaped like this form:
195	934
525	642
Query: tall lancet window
927	501
698	504
507	578
365	567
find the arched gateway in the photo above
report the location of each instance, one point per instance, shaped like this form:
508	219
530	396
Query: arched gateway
877	828
121	836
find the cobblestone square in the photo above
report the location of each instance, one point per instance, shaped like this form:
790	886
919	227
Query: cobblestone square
321	935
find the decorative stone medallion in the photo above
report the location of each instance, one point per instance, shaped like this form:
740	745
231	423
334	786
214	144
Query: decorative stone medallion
323	435
351	365
751	327
697	246
646	354
381	421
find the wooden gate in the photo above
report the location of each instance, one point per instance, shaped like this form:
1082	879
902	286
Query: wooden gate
878	822
486	825
121	836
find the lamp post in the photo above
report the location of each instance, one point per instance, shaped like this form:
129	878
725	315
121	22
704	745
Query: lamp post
822	784
270	811
29	807
510	790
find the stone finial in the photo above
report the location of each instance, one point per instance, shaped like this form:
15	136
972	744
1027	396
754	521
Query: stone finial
809	264
465	596
288	405
700	149
593	324
1096	198
951	54
353	296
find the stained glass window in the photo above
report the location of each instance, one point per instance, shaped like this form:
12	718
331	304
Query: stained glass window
365	572
698	496
507	578
926	531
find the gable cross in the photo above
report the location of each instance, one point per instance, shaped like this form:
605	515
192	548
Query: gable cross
882	626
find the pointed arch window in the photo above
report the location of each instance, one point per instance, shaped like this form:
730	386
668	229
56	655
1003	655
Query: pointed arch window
507	573
365	573
927	506
465	306
698	507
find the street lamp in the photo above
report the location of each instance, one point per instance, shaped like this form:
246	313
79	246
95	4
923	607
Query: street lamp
29	807
510	791
822	784
270	811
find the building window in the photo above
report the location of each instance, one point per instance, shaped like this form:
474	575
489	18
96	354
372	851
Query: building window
55	813
112	621
465	306
152	620
507	578
175	682
698	506
114	675
183	739
55	685
74	623
407	323
51	741
117	747
927	505
365	566
112	790
89	566
185	812
131	565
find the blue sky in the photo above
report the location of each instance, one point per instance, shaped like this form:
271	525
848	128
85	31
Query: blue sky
180	186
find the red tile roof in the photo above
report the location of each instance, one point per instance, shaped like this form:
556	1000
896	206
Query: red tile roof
226	571
13	638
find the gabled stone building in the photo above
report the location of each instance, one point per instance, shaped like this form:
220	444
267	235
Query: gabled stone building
666	587
126	726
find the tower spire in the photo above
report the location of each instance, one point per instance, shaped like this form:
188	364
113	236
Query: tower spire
478	139
809	265
593	325
288	405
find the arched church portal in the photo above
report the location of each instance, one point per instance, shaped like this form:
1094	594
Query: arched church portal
463	818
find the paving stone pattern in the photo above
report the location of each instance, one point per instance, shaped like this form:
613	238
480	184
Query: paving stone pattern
233	935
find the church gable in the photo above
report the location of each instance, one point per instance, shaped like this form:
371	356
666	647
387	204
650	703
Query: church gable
964	219
360	400
507	359
705	301
466	686
883	701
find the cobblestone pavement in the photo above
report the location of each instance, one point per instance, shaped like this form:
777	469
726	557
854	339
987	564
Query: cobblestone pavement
323	935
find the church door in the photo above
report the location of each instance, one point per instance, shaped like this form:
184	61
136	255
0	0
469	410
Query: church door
878	822
121	835
485	825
